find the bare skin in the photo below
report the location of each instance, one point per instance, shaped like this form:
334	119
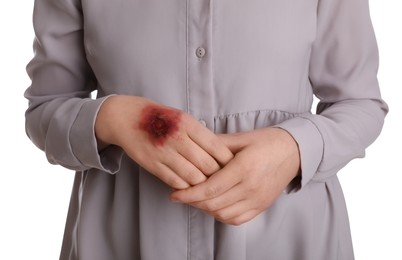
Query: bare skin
265	162
174	147
232	177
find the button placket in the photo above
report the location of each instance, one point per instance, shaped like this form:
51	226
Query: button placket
200	105
199	60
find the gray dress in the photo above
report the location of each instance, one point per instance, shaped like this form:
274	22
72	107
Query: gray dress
235	66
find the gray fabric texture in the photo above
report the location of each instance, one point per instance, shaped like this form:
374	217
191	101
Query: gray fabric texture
263	62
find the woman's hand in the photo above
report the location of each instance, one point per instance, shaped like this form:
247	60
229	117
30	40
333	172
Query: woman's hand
167	142
265	162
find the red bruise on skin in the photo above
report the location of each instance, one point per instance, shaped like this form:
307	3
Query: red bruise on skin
159	123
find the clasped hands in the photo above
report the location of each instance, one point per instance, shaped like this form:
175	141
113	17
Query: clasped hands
232	177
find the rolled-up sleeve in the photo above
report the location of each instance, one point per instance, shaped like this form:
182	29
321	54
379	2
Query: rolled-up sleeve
343	75
61	115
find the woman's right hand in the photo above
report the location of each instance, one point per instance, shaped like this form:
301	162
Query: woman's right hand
167	142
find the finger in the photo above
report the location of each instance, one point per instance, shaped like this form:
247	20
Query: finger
169	177
214	186
235	142
225	200
208	141
239	217
233	211
199	157
185	169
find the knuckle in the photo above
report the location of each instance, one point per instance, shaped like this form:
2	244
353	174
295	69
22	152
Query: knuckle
180	138
209	166
188	122
193	176
212	191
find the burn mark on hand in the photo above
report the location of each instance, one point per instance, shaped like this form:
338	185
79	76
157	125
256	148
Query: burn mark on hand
159	123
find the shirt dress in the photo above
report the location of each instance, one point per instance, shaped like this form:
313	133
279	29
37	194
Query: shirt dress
235	66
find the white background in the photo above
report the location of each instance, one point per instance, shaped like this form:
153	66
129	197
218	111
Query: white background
34	195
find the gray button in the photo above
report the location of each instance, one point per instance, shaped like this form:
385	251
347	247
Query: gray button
203	122
200	52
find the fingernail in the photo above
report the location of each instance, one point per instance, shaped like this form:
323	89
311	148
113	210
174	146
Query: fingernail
173	199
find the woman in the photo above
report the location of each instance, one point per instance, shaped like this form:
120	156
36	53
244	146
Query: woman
200	143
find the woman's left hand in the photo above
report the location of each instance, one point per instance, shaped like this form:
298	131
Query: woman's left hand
266	161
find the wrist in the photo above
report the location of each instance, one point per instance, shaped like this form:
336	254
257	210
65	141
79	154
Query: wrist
292	149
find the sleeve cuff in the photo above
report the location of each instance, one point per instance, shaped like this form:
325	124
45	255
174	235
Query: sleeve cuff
311	145
84	143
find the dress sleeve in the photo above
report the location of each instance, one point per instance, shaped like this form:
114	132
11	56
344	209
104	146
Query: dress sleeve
61	115
343	75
